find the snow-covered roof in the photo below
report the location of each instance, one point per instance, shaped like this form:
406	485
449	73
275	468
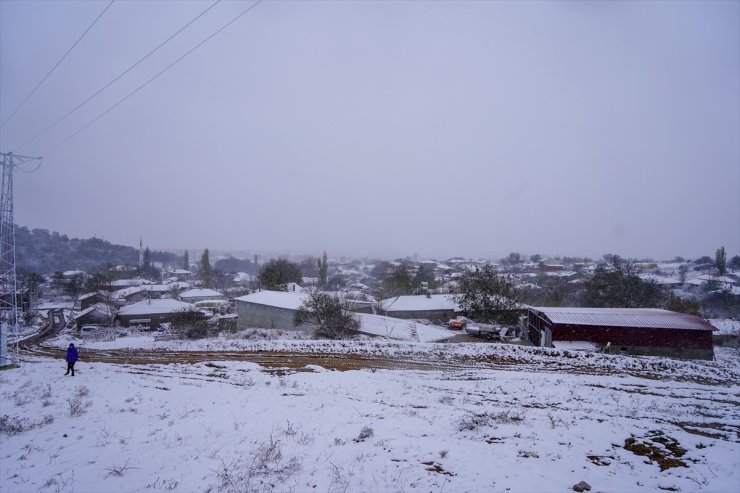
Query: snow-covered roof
662	280
726	326
722	279
180	272
281	299
127	282
624	317
420	303
397	328
206	303
157	288
98	306
178	285
201	293
122	293
242	277
148	307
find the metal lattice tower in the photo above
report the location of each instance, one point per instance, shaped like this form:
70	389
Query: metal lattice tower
8	285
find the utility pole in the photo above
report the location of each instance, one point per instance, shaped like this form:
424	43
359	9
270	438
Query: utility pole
8	283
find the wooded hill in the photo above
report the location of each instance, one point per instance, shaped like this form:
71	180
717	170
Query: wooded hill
44	252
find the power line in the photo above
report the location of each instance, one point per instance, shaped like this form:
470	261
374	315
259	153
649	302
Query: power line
118	77
155	76
57	64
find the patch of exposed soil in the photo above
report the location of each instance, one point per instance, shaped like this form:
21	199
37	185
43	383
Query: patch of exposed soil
659	448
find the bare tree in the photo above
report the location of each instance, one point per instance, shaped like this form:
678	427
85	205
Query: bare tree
327	313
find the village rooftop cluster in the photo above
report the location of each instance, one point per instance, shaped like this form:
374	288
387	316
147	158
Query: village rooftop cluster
408	299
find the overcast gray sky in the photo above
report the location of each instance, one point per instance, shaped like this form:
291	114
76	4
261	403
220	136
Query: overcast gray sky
384	128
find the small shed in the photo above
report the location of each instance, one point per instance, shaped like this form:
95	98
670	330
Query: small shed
438	307
97	314
648	331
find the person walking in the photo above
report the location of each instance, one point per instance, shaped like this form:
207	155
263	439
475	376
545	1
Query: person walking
72	357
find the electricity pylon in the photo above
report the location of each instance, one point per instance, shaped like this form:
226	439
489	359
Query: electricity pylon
8	284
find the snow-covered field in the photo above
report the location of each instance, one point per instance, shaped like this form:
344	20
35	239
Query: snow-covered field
726	326
234	426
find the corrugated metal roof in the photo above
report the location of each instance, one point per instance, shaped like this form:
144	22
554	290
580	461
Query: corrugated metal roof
401	329
624	317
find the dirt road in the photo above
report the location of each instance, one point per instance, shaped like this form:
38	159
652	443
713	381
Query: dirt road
291	361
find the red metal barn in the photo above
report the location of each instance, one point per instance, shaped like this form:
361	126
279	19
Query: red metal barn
627	330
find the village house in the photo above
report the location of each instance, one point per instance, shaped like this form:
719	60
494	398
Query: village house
98	314
276	309
152	313
193	295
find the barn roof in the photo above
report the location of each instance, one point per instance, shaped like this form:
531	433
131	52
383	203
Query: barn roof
624	317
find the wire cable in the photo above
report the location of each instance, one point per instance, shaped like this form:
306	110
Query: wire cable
40	160
120	101
57	64
58	121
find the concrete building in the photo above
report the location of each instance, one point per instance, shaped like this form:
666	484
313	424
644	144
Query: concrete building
269	309
275	310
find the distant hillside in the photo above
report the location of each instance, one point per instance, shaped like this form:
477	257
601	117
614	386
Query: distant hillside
45	252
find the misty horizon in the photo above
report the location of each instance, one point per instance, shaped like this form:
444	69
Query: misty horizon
381	130
248	253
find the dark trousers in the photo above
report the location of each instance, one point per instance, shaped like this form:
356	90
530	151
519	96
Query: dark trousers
70	366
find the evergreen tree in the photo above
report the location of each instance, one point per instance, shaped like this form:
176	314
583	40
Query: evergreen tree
206	274
276	274
720	261
186	261
488	297
397	282
620	286
323	270
147	258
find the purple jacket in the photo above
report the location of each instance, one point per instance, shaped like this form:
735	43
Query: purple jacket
72	354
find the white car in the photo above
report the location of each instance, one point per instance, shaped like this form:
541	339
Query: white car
88	330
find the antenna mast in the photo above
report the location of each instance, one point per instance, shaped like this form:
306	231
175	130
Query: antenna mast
8	283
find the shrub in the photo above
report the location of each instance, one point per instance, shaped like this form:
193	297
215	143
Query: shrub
13	425
365	433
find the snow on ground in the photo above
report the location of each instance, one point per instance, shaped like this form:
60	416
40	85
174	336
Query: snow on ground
233	426
726	326
726	366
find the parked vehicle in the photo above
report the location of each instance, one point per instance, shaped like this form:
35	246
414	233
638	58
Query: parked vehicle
89	329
